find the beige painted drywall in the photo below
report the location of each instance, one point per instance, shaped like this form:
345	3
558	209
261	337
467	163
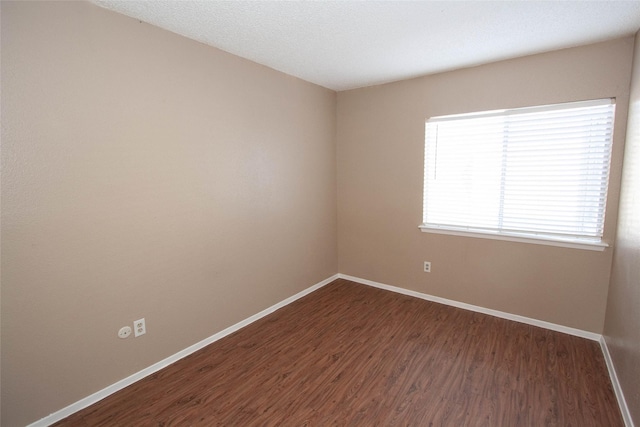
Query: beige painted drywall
146	175
622	322
380	175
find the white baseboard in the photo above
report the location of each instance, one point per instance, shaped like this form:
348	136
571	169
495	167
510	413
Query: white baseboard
95	397
495	313
626	414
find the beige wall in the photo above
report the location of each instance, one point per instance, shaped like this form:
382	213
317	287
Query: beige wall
146	175
622	330
380	173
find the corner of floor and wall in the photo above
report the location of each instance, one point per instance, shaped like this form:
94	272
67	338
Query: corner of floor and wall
145	175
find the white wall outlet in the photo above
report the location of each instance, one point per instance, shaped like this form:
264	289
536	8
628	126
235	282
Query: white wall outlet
427	267
139	327
124	332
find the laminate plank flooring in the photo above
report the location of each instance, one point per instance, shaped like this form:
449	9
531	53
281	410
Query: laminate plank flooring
352	355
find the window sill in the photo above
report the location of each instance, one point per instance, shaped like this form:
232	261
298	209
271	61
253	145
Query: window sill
536	240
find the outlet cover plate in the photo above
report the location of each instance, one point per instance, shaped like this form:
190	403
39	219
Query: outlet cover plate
139	327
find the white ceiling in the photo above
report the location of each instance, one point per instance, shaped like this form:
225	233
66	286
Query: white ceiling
348	44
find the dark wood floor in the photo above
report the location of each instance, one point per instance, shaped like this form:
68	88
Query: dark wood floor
352	355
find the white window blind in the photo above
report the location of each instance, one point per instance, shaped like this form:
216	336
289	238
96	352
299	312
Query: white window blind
538	172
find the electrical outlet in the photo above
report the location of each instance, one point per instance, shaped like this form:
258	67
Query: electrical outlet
139	327
427	267
124	332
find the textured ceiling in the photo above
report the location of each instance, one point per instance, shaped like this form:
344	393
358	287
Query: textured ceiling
348	44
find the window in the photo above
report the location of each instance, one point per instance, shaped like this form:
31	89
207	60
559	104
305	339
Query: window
536	174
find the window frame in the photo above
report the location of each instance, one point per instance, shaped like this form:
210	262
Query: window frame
596	244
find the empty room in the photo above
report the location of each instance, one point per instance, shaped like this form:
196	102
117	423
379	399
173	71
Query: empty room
318	213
